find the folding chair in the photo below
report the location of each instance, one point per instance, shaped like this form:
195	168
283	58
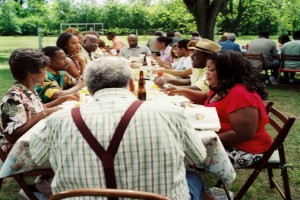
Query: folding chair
19	178
115	193
288	58
274	158
262	66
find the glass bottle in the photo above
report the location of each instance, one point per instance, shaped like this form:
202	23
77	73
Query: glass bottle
141	92
145	61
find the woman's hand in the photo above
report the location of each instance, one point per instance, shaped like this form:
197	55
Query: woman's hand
172	90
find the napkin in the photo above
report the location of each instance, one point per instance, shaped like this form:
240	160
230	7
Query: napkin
201	117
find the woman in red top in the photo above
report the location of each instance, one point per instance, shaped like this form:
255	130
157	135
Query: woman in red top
237	94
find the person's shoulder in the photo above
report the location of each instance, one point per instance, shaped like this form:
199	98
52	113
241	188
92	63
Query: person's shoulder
238	89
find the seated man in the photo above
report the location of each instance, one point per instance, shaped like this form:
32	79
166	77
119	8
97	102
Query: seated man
152	154
117	43
55	80
268	48
183	62
89	46
134	49
292	48
202	49
229	44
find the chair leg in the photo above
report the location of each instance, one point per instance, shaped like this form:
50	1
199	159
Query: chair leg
270	176
286	185
247	185
24	186
1	181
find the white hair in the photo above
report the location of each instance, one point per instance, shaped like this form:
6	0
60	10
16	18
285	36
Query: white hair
107	72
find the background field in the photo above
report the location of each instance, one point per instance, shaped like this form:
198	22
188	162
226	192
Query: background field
286	98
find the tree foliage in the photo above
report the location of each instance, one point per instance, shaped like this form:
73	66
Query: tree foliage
239	16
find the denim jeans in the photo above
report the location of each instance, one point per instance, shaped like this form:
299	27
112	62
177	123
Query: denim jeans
196	185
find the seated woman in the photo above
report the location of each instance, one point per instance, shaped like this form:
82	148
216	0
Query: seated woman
71	46
162	44
21	108
237	93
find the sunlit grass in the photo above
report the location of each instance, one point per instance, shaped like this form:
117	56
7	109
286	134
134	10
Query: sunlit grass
287	99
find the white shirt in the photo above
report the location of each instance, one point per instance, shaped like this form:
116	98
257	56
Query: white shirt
182	63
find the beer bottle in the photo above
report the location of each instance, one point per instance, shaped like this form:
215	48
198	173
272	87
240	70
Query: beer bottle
145	61
141	90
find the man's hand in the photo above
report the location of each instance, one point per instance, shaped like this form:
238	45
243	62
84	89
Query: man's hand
160	82
80	82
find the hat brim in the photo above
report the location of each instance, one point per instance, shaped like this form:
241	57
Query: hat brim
200	49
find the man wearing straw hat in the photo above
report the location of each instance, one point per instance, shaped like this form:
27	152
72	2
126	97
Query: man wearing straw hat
201	50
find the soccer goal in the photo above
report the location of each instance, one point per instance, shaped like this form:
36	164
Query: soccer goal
83	27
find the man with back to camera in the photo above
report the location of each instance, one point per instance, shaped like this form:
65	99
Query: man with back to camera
229	44
268	48
134	49
292	48
153	151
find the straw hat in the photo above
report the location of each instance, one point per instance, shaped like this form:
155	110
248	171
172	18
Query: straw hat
206	46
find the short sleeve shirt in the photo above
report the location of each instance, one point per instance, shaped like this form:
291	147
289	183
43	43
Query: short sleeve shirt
53	82
17	106
198	78
237	98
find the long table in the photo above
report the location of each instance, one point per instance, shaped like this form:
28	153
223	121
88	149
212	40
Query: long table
217	161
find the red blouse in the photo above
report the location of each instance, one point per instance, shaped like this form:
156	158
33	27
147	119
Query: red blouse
239	97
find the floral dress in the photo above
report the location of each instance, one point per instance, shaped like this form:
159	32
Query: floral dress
17	106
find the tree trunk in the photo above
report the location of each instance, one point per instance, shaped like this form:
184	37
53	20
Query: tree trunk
205	13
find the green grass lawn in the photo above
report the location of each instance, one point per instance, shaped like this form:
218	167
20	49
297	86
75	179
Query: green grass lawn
286	98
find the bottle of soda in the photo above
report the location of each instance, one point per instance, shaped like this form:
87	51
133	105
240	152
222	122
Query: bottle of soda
141	93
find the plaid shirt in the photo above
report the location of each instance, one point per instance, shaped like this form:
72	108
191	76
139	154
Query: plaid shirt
151	155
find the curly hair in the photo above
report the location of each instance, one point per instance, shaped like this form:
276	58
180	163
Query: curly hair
233	68
24	61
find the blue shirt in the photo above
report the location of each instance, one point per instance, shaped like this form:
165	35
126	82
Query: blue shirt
229	45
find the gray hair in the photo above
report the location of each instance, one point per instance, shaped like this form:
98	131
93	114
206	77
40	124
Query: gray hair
107	72
231	36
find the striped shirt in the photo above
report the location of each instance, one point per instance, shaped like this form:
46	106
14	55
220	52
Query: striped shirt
151	157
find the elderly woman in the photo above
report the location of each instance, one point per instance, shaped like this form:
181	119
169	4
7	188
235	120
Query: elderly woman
236	93
21	108
71	46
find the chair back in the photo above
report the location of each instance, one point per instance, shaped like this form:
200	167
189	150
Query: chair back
115	193
258	57
282	125
285	57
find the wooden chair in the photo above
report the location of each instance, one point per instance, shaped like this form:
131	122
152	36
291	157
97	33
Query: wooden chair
288	58
19	178
274	158
115	193
262	66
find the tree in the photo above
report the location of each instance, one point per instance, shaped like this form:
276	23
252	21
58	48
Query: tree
205	13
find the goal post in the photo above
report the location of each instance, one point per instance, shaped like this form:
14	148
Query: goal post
83	27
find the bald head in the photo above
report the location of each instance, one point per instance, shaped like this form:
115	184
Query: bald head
132	40
90	43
